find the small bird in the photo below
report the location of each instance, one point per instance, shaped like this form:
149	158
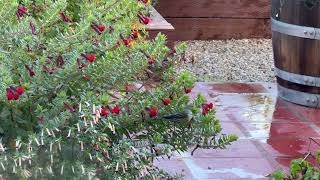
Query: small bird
183	116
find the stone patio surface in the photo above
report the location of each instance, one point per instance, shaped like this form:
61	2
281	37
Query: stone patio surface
271	133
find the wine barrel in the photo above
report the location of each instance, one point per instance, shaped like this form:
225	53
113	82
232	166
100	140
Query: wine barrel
296	46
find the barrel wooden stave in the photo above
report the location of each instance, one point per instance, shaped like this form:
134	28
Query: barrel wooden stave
297	55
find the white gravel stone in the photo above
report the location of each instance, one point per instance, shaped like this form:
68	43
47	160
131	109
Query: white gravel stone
247	60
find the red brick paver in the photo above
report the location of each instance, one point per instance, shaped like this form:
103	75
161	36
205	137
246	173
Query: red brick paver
271	133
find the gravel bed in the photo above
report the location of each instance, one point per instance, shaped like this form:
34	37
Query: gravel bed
247	60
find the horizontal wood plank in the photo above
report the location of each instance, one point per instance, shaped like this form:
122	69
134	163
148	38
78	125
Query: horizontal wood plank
217	28
214	8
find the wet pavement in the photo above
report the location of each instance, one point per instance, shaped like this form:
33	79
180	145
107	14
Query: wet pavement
271	133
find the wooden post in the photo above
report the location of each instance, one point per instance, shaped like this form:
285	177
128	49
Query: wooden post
159	24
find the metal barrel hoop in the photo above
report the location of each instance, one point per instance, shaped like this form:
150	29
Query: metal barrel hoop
295	30
298	97
298	78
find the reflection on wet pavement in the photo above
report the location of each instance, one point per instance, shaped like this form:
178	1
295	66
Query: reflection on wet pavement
271	133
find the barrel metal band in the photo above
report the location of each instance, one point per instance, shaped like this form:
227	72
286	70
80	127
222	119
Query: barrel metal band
295	30
297	97
298	78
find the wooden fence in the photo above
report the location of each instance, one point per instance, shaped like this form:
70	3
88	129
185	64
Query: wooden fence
216	19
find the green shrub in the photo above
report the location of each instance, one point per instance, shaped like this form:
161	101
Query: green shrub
68	106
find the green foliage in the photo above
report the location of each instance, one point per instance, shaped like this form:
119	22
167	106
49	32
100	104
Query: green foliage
299	169
78	117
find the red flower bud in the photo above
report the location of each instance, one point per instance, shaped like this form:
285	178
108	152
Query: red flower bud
20	90
187	90
32	73
166	102
101	27
104	112
33	28
153	112
173	51
41	120
91	58
151	60
87	78
111	29
115	110
83	66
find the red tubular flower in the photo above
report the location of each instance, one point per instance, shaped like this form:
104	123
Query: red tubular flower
23	8
10	96
144	20
187	90
14	93
126	42
20	90
98	28
91	58
206	108
115	110
104	112
166	102
210	105
16	96
69	107
31	72
95	27
101	27
153	112
135	35
64	17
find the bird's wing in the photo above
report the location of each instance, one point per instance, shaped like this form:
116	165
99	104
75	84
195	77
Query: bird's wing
175	116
